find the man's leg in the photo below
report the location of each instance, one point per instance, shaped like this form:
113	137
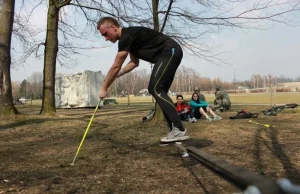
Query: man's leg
226	104
161	79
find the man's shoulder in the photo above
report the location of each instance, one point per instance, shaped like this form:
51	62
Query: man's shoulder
202	97
134	32
135	28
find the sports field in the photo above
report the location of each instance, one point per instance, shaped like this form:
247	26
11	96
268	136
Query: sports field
253	98
121	154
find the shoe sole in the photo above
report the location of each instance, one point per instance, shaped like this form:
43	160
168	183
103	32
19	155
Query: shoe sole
178	139
170	143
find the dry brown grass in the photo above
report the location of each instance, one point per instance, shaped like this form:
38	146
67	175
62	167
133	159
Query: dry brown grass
122	155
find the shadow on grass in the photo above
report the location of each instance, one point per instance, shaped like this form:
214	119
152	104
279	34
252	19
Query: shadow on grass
161	151
257	152
120	141
277	150
188	164
36	121
101	113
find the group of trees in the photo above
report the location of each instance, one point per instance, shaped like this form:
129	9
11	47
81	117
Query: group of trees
263	81
186	79
32	87
189	26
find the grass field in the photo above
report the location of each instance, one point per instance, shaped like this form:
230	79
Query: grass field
121	154
259	98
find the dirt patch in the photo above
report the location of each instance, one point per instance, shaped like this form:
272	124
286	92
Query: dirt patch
121	154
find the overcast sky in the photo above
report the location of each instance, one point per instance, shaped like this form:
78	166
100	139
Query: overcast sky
275	51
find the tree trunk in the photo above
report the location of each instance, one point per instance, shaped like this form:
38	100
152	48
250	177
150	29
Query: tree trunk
6	22
51	49
155	14
158	116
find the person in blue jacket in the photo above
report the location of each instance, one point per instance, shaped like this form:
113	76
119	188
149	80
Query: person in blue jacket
200	108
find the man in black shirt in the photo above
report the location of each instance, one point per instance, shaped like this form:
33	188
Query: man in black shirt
152	46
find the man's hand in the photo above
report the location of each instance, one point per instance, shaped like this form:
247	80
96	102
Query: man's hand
102	94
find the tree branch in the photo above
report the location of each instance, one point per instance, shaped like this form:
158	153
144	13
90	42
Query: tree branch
166	16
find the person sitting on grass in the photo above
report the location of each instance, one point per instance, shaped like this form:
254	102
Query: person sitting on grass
184	110
222	101
200	108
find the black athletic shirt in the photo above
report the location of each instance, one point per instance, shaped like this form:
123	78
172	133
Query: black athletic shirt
145	43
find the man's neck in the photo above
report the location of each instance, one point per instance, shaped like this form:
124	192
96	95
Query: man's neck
119	31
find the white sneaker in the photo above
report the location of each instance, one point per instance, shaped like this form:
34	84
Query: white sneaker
175	135
209	119
194	119
216	118
190	120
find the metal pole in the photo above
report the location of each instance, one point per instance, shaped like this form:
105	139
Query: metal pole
234	80
271	91
128	93
150	75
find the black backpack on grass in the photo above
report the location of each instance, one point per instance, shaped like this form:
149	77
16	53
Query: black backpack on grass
244	115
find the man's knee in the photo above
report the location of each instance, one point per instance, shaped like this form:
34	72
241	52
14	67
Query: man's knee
226	104
155	90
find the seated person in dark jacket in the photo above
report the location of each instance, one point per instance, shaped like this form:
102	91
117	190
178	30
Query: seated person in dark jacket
200	108
184	110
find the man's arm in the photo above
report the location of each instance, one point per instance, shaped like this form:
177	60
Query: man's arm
133	63
114	70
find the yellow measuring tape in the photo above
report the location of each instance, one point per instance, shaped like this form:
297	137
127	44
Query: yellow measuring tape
265	125
86	131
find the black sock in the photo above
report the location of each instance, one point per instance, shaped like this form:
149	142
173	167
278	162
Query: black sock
179	126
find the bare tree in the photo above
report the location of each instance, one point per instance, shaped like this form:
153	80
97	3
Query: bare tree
35	77
51	49
15	89
6	22
60	50
185	25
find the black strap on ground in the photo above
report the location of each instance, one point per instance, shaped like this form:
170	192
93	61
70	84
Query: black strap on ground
277	109
240	177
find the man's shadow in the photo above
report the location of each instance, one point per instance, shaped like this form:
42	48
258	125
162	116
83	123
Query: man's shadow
277	150
188	164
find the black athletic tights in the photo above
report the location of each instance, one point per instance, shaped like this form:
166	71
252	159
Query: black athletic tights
161	79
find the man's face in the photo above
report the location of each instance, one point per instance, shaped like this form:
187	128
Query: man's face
109	32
